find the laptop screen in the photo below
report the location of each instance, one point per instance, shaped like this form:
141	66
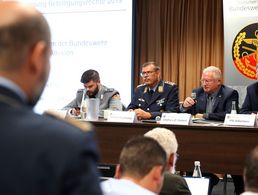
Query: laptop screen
198	186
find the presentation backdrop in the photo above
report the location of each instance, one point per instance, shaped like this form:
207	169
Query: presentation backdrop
87	34
240	43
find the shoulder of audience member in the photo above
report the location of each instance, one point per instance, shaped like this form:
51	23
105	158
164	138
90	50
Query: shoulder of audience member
81	125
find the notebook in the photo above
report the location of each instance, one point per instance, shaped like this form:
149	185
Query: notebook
198	186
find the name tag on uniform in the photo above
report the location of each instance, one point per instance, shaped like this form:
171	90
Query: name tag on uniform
240	120
121	116
176	118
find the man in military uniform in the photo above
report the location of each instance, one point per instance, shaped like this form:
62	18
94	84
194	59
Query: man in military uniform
39	154
155	95
109	97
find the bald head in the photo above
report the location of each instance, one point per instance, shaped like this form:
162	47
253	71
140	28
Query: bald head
21	27
24	48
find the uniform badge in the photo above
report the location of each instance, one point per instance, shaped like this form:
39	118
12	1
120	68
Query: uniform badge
141	100
160	89
160	102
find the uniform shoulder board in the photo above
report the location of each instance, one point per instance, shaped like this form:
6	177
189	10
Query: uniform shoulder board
141	85
170	83
116	97
80	90
82	125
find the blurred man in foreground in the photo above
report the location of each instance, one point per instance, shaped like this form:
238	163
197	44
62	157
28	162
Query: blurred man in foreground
173	184
155	95
39	154
140	171
251	173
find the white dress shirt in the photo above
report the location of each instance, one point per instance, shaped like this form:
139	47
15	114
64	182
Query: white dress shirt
123	187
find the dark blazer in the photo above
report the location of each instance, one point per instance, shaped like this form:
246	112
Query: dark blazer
221	106
250	104
164	99
174	185
43	155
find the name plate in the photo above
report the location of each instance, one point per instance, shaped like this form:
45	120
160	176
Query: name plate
121	116
240	120
176	118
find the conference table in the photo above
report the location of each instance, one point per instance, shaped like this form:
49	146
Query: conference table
219	148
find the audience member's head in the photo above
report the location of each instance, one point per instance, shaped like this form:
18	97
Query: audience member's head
251	171
91	82
143	161
24	48
167	139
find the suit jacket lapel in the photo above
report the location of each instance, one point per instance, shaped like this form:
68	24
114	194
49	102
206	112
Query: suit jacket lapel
202	101
154	97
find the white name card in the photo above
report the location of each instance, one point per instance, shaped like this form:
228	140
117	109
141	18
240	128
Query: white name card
240	119
121	116
176	118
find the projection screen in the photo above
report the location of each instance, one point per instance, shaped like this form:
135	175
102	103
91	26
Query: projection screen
87	34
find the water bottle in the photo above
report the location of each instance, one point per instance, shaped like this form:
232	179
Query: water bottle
197	169
233	108
83	110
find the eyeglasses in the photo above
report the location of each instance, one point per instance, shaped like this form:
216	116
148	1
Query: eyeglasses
146	73
203	81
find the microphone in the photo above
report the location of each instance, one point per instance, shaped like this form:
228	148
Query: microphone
157	118
193	96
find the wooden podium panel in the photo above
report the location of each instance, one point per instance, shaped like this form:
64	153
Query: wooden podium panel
220	149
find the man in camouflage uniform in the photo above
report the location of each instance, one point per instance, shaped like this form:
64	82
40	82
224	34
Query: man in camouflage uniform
155	95
109	97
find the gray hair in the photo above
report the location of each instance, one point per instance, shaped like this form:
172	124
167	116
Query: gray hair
156	66
216	70
166	138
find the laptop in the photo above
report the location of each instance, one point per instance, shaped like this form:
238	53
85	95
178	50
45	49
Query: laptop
198	186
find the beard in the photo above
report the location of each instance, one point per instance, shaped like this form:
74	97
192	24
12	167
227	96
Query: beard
94	93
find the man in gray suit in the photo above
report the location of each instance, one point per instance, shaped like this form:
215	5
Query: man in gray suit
109	97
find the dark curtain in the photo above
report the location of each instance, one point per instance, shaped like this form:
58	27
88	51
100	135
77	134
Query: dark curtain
182	36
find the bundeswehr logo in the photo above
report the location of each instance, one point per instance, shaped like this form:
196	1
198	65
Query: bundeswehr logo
245	51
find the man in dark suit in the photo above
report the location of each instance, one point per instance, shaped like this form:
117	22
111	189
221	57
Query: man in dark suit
173	184
40	154
213	100
250	104
155	95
